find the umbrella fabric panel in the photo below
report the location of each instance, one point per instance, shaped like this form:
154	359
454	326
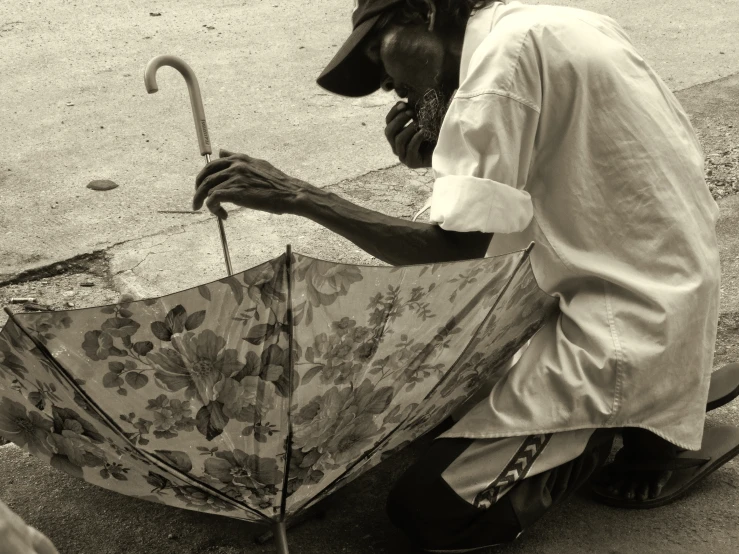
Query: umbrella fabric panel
201	374
520	311
371	343
43	413
203	389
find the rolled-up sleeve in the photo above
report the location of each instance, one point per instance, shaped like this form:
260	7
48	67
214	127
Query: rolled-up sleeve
481	164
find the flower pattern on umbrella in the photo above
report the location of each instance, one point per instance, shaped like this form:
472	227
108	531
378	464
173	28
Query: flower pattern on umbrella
10	364
218	370
340	421
324	282
29	430
191	496
75	442
197	362
170	416
256	478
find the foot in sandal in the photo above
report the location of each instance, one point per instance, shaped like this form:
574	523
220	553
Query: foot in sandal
649	472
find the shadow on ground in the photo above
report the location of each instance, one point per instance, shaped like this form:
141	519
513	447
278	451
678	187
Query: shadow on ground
83	519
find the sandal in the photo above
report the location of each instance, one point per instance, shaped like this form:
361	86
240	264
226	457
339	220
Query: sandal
720	444
724	386
692	466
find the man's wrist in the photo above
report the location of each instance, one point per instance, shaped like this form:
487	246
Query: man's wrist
307	198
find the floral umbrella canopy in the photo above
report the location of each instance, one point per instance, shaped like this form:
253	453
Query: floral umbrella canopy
257	395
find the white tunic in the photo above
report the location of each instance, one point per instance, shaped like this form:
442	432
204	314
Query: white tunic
561	134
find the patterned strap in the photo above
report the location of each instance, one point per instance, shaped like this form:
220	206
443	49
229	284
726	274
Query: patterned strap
516	470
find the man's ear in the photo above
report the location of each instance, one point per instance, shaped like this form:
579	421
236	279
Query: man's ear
431	6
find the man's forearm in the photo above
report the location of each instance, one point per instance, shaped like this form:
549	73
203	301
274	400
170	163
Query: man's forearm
393	240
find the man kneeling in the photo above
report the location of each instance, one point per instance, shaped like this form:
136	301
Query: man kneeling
541	124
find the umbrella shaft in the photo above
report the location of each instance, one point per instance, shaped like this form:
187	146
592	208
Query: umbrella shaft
281	537
224	243
222	233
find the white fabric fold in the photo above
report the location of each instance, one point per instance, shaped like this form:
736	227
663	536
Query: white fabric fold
426	207
561	134
462	203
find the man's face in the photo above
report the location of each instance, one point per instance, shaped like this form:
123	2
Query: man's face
417	66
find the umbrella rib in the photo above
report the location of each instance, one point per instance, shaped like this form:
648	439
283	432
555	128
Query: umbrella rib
289	438
331	486
113	425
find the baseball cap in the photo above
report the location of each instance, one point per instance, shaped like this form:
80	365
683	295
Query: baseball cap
350	72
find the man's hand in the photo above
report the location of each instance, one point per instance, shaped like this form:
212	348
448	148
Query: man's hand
247	182
406	140
16	537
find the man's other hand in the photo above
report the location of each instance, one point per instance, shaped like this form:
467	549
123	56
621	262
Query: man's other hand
405	138
16	537
247	182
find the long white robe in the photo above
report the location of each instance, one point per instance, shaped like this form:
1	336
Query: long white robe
560	133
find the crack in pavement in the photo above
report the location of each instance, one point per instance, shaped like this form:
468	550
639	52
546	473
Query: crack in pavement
717	79
367	174
134	267
181	226
151	251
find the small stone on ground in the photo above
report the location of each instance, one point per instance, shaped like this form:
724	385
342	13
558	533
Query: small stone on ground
102	185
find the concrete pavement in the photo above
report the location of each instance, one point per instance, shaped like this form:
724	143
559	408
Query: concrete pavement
310	135
74	106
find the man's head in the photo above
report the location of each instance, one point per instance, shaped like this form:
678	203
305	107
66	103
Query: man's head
411	46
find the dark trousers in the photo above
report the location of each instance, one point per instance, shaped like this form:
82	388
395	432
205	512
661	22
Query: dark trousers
436	519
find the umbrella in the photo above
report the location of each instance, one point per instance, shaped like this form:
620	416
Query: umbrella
258	395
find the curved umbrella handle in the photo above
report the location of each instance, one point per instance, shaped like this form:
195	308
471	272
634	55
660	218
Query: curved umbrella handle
198	112
196	101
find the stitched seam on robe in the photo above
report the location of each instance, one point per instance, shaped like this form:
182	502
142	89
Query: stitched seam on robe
618	352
